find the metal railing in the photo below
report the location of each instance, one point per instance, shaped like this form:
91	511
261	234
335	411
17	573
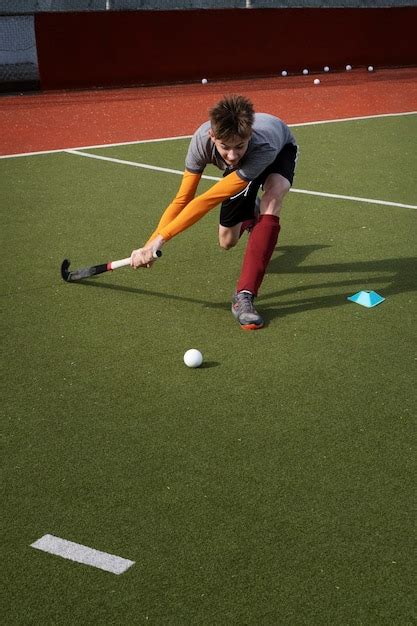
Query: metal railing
22	7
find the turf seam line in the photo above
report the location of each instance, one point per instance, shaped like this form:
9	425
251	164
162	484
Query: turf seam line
140	141
82	554
215	178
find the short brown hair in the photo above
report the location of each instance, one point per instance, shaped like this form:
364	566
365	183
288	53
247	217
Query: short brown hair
232	116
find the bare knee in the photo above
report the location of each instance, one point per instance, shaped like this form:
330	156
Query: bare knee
228	237
227	243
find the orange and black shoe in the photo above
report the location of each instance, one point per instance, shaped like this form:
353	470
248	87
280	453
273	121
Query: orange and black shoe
244	311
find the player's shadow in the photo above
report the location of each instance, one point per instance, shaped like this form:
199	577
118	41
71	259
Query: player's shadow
392	276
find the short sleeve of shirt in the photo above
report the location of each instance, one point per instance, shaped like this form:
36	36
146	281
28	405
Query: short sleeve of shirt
269	136
199	150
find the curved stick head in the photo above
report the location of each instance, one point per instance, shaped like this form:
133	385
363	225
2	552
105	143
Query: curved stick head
65	269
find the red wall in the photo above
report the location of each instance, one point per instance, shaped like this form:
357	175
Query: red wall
151	47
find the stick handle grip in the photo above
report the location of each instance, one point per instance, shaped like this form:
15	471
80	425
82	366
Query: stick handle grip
114	265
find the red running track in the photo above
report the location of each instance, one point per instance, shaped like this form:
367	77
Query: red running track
68	119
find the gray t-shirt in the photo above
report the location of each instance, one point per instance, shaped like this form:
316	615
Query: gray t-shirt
269	136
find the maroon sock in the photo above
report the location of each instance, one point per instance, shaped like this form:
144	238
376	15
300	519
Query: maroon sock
259	249
245	225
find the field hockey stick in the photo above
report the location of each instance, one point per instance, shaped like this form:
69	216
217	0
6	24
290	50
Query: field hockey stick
93	270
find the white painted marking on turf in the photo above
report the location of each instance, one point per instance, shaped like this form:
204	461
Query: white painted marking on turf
139	141
135	164
354	198
352	119
99	145
216	178
82	554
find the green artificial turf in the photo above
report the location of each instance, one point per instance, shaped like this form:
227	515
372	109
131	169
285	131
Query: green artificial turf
275	484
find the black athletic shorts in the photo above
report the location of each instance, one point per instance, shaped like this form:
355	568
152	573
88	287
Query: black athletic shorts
241	207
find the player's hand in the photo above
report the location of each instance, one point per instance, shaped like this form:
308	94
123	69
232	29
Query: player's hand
143	257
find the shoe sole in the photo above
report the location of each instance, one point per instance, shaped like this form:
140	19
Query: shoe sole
251	326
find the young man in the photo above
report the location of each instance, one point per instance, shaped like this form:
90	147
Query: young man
253	150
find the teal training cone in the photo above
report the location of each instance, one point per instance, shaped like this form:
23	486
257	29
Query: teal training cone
366	298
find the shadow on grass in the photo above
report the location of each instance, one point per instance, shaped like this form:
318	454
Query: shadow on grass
392	276
209	364
96	282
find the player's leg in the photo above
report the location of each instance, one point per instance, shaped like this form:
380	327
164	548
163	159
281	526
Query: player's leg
264	235
238	214
276	188
229	235
263	238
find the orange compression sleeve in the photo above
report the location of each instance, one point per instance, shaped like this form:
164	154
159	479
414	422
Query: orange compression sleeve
197	208
185	194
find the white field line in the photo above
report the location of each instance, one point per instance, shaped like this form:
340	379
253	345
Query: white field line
180	173
352	119
355	198
135	164
82	554
99	145
130	143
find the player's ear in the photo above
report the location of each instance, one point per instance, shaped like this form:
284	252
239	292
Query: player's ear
212	135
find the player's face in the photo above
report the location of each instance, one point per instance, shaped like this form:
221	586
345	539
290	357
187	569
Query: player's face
232	149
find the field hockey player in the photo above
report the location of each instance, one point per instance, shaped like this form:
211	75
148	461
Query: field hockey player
254	151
